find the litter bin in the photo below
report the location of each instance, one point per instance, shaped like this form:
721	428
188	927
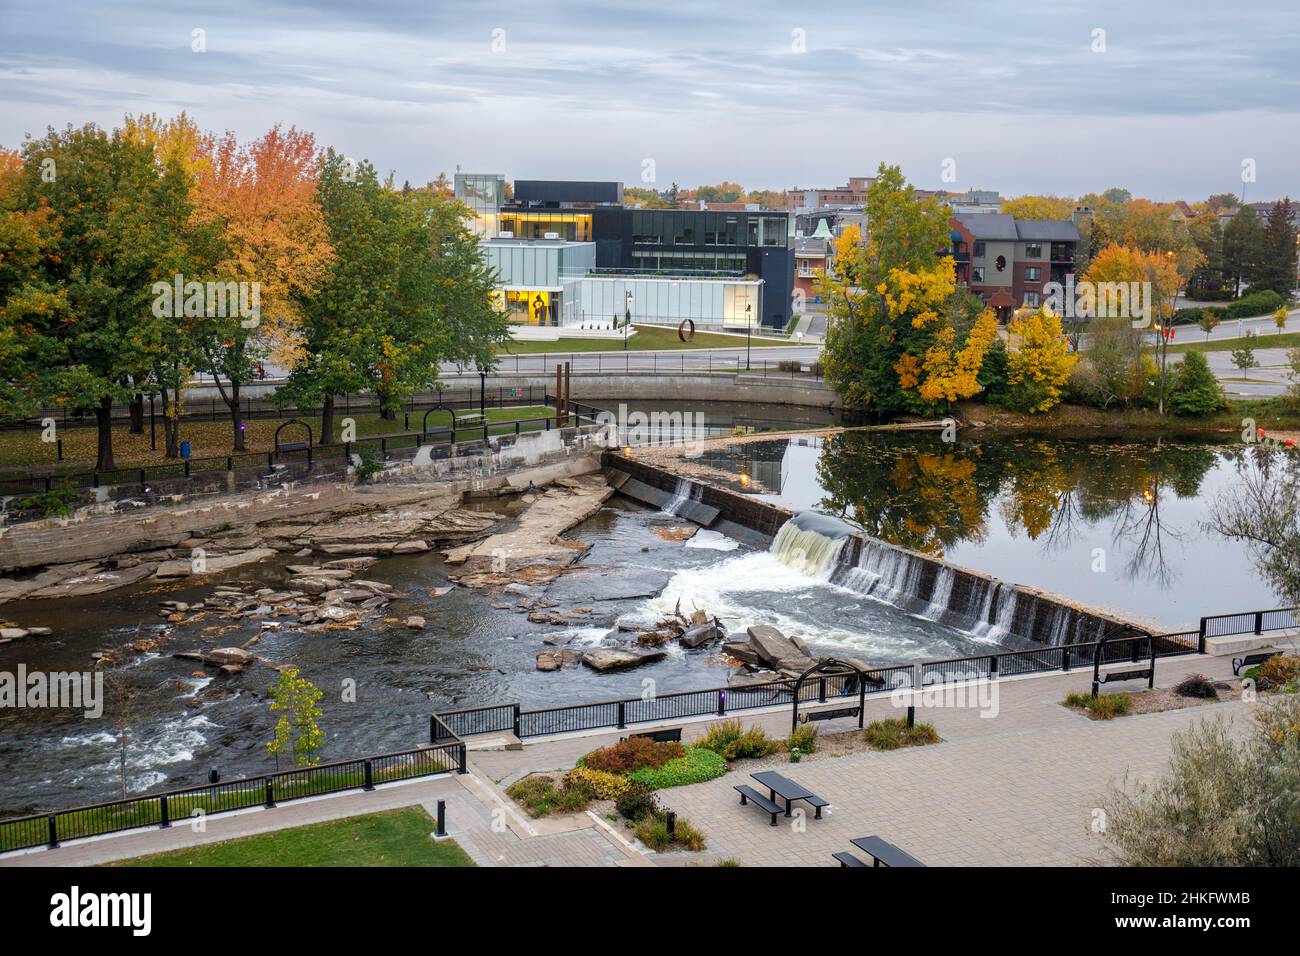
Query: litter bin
185	449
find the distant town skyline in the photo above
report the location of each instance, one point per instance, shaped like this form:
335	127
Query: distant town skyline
1072	99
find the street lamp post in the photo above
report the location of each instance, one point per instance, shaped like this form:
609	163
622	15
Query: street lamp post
627	317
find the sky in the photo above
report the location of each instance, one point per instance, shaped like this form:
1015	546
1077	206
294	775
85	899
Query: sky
1167	98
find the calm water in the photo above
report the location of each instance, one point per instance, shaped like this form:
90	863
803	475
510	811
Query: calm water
1111	523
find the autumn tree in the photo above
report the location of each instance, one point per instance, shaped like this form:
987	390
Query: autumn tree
1039	367
885	299
106	216
263	195
1038	207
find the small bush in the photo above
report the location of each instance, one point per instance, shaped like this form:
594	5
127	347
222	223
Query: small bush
636	804
370	464
539	796
729	861
653	832
696	766
632	754
601	785
1197	685
731	742
1101	707
893	733
1280	669
57	502
803	739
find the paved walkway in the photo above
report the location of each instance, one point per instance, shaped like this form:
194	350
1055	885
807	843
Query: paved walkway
1019	786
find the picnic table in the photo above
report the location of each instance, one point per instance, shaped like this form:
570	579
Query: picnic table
884	852
789	791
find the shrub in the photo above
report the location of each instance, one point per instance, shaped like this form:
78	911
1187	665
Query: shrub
539	796
1197	685
696	766
1193	390
653	832
1101	707
1227	800
727	739
636	804
370	464
632	754
803	739
57	502
600	784
1280	669
893	733
729	861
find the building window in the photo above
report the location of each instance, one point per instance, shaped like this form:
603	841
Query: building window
977	274
1033	250
1031	298
1033	274
979	250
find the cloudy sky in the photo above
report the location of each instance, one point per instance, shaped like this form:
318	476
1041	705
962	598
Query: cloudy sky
1164	97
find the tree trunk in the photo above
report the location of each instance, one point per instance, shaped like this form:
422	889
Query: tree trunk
327	421
171	426
104	421
137	414
236	417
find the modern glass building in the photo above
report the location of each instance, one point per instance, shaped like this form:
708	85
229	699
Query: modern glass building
532	276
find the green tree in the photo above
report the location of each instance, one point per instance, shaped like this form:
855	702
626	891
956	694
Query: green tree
1276	268
1244	356
1243	247
91	334
295	699
1194	391
1208	323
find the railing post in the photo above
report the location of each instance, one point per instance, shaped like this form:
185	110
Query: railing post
516	719
722	703
911	715
821	690
53	841
433	733
1065	658
1200	641
370	778
442	818
622	716
460	759
993	666
1259	622
166	814
862	700
270	794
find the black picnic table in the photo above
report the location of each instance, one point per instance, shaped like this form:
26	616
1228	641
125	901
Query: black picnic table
787	790
884	852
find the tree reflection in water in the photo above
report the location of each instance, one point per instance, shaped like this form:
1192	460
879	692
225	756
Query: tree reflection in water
917	492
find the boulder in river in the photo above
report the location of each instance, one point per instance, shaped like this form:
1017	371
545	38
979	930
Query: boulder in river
613	658
699	634
552	659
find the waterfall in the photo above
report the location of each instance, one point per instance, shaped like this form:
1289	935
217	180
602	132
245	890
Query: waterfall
685	491
886	573
811	544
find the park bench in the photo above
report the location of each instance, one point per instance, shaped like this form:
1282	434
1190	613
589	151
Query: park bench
748	793
789	791
1250	660
668	735
827	714
473	420
291	446
848	859
885	853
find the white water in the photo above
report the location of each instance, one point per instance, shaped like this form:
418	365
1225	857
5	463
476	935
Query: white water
686	491
808	552
712	540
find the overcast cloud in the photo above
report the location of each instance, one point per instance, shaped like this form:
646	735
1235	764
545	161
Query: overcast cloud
1013	92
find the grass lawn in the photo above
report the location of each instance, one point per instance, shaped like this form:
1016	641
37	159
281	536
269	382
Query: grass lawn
392	838
208	438
1264	340
647	337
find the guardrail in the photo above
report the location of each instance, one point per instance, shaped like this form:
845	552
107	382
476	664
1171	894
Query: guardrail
161	809
722	701
1247	622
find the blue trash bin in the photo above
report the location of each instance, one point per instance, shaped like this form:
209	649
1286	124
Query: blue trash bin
185	449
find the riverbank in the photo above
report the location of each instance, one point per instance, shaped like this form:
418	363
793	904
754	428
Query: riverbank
1085	421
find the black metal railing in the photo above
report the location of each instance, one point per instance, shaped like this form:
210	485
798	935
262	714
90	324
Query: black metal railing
1247	622
162	809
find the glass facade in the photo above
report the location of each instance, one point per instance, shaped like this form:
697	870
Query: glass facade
529	224
602	301
483	193
678	227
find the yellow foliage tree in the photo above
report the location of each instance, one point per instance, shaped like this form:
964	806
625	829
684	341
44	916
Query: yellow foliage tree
952	373
1038	207
1037	371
